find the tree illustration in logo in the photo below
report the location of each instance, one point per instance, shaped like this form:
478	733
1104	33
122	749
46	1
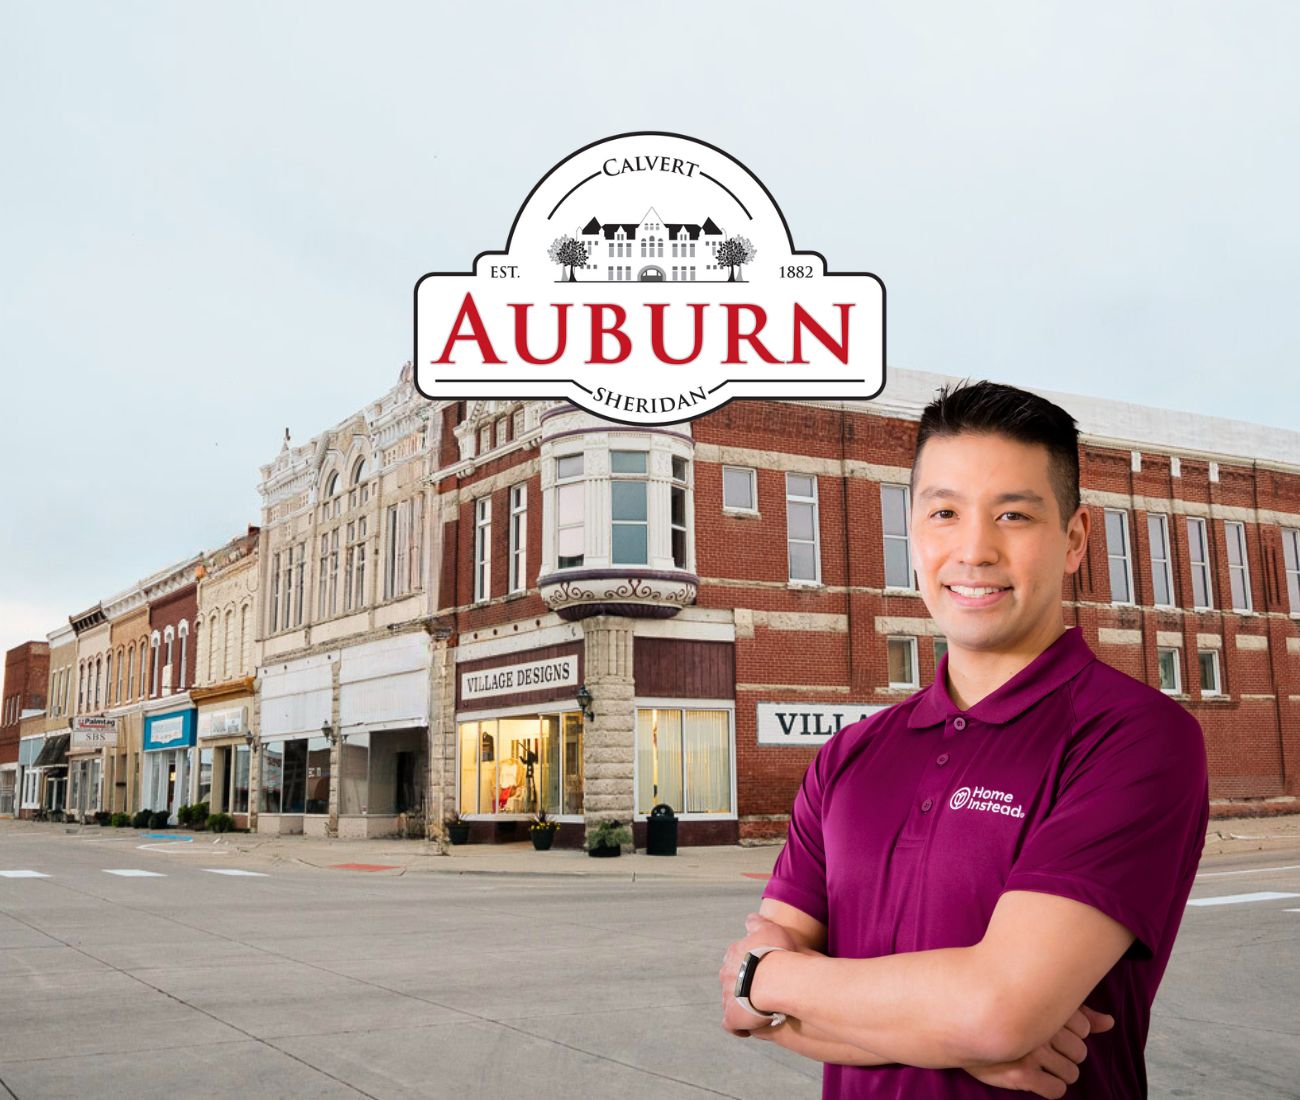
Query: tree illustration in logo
568	252
735	252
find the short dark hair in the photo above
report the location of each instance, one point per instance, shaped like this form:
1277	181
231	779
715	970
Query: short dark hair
992	408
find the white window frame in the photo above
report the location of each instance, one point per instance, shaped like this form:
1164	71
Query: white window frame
1177	689
482	549
1243	568
793	498
1291	567
517	580
538	710
752	477
563	481
727	705
1217	690
641	478
1126	556
1198	523
905	538
915	682
1162	520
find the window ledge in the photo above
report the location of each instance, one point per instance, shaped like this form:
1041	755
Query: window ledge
742	513
1219	698
804	584
515	595
894	590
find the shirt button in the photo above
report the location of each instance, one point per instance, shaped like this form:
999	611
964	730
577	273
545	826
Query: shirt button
960	723
943	759
925	806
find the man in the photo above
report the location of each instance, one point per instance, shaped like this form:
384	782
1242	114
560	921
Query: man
979	881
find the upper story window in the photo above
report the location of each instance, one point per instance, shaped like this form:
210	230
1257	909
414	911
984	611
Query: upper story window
739	489
895	509
482	548
403	539
802	535
630	533
1291	561
1162	573
518	549
677	509
1198	552
570	511
1117	552
1234	533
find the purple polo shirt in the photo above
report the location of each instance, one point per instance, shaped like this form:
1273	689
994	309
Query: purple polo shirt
1072	778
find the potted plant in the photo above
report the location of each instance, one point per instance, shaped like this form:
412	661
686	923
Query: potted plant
457	830
606	838
543	831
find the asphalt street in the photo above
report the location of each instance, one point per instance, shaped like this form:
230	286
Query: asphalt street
300	981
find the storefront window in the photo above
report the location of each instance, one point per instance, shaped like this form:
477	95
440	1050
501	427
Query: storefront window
382	772
317	773
514	766
683	758
272	785
205	775
354	771
231	778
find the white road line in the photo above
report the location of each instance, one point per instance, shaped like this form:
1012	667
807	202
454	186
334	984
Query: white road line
22	874
131	872
1248	871
233	871
1237	899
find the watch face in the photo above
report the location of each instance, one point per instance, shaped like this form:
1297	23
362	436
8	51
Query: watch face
745	975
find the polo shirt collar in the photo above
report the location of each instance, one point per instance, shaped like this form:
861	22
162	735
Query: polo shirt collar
1059	663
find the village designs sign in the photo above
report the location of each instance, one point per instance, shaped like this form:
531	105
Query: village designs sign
554	672
807	724
649	278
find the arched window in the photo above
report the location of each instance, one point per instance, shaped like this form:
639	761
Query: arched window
130	671
241	664
228	648
332	485
108	680
121	664
144	680
184	631
155	642
212	648
99	682
358	471
81	686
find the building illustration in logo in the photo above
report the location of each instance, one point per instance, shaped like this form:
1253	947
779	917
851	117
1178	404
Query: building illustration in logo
582	307
651	251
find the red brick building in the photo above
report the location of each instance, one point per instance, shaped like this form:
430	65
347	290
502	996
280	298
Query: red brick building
732	590
27	669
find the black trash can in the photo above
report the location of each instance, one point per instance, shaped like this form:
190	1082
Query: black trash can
661	831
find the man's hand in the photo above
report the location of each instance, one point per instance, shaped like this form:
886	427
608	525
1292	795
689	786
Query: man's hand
762	933
1047	1070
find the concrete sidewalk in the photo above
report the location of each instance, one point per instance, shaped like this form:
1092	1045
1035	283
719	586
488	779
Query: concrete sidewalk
394	856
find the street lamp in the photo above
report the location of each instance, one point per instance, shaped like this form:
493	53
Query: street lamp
584	701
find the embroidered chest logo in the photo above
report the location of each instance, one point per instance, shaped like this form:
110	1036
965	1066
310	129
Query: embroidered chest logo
989	801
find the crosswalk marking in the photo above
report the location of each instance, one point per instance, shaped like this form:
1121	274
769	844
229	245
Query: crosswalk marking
130	872
22	874
233	871
1237	899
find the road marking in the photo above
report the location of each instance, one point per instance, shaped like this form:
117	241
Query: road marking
22	874
1237	899
131	872
234	871
364	866
1249	871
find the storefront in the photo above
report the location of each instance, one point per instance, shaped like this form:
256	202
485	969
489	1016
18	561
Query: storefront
519	742
50	774
294	745
225	752
92	740
383	754
29	779
169	759
8	789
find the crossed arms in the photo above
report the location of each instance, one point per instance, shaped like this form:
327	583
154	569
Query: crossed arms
991	1004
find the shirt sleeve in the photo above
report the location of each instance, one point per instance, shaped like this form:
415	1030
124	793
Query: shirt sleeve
1127	827
799	876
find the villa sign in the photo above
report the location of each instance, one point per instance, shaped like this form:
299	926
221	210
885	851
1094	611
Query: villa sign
650	278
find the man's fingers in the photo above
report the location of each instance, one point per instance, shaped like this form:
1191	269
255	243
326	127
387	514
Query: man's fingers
1068	1044
1100	1021
1079	1024
1057	1064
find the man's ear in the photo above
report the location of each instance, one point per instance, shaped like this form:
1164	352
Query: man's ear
1076	534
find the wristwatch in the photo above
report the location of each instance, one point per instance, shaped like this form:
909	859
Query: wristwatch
745	981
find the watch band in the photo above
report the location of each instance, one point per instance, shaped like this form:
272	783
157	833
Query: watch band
745	981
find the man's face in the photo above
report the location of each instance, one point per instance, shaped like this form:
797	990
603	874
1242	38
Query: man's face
984	516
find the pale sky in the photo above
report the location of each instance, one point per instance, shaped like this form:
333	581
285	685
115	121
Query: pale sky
212	216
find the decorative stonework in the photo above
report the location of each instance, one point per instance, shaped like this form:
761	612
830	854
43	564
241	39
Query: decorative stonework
632	593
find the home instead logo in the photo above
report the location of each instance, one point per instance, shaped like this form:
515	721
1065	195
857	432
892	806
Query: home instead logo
650	278
981	798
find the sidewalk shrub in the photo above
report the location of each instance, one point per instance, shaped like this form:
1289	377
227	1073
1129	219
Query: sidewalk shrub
102	817
221	823
141	820
159	819
606	838
183	814
198	815
121	821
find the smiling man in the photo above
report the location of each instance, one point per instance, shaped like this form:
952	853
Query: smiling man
981	885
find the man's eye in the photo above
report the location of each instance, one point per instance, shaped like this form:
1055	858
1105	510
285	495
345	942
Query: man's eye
941	512
1020	514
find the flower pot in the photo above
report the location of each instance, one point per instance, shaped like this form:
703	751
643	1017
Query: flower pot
543	839
605	850
458	833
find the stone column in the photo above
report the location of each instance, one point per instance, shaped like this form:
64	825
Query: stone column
442	742
609	740
336	756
